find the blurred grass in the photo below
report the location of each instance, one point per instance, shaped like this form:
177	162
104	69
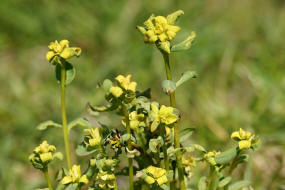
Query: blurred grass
238	54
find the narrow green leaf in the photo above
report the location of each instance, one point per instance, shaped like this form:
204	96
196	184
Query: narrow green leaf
168	86
70	72
58	155
202	184
239	185
79	122
184	45
185	77
225	181
93	110
81	151
185	134
46	124
226	157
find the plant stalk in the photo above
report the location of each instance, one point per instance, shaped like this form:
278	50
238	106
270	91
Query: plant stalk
178	155
47	178
130	160
165	156
63	115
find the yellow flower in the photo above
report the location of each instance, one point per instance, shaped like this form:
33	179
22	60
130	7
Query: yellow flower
245	139
126	83
155	174
116	91
62	49
136	120
94	137
45	151
75	176
210	157
164	114
104	179
159	28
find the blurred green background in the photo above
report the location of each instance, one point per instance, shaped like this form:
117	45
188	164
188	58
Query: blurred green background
239	54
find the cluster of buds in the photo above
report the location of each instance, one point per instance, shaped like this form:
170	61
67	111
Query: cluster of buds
153	175
42	155
245	139
61	49
188	163
75	177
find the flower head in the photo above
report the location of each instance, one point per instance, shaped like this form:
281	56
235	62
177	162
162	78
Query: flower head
93	138
116	91
105	179
164	114
245	139
42	155
136	120
75	176
125	83
61	49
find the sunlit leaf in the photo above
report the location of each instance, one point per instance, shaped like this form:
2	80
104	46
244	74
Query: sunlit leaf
46	124
226	157
239	185
185	77
168	86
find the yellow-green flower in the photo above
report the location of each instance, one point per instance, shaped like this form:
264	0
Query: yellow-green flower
125	83
116	91
94	138
155	174
105	179
62	50
188	163
164	115
210	157
245	139
74	176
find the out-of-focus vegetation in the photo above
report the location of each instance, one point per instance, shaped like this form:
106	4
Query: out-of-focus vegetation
238	54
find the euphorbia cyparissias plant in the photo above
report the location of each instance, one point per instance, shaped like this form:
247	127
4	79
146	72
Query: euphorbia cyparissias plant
148	134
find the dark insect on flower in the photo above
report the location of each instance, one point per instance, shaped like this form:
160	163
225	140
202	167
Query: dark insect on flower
113	139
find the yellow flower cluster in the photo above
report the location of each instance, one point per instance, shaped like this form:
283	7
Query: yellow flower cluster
124	84
163	115
94	138
75	176
154	174
210	157
45	151
188	163
245	139
61	49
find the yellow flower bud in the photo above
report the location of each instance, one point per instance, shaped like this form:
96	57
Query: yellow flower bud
50	55
163	179
149	180
45	157
244	144
116	91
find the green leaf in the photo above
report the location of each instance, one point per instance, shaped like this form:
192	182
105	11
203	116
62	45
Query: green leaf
226	157
202	184
93	110
225	181
58	155
184	45
185	77
185	134
168	86
79	122
82	151
71	187
238	185
70	72
107	84
46	124
171	18
214	181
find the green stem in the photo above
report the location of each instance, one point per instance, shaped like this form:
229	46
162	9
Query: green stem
130	160
63	115
116	185
165	156
178	154
232	168
47	178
